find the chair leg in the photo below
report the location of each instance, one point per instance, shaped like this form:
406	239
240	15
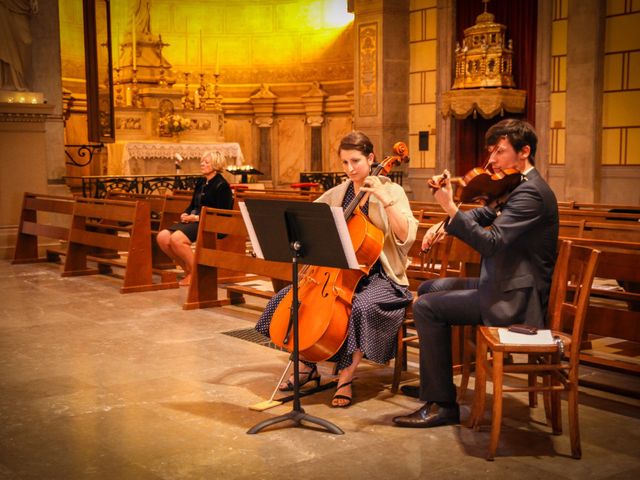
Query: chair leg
574	425
479	397
533	397
466	345
496	418
556	410
532	379
547	400
399	362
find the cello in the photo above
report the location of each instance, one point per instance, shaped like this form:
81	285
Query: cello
325	293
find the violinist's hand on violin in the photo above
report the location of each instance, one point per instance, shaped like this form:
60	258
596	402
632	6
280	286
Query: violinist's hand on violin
443	194
433	235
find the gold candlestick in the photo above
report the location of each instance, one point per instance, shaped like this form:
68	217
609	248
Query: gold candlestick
118	88
136	101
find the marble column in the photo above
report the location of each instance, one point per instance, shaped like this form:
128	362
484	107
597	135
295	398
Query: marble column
543	86
313	102
381	74
445	127
263	111
585	39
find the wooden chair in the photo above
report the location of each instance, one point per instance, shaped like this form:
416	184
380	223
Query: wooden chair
557	363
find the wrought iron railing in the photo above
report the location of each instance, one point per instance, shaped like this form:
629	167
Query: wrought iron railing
331	179
99	185
82	152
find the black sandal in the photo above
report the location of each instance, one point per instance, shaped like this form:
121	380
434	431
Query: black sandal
338	396
304	378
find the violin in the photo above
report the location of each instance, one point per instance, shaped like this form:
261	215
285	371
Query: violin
482	185
477	185
325	294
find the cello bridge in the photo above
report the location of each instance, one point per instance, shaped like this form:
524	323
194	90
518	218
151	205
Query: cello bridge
310	278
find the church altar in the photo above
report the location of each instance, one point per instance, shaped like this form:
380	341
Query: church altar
149	158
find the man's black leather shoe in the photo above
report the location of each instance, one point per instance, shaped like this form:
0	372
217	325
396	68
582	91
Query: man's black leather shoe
412	391
430	415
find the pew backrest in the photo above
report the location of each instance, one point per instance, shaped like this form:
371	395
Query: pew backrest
47	216
212	255
111	233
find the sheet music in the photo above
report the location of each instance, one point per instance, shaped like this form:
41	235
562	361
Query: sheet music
542	337
345	238
252	233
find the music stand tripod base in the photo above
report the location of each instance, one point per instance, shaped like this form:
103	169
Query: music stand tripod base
297	417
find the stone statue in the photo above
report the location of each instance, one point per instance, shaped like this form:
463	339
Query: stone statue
142	13
15	42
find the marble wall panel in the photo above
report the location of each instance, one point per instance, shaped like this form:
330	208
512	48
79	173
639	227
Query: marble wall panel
240	129
291	156
337	127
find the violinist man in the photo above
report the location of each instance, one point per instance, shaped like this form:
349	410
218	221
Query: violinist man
517	239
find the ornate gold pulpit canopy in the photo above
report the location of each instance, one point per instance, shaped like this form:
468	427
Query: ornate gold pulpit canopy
483	74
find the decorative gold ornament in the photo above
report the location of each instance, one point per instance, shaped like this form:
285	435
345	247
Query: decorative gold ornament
484	73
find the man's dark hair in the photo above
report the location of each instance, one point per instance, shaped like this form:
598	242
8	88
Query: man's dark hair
356	141
518	132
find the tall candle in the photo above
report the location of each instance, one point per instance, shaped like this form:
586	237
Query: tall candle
133	43
116	46
217	71
200	50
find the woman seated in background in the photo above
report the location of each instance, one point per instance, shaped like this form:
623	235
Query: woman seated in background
381	296
210	191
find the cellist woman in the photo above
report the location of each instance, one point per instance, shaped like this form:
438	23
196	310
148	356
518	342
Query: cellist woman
382	295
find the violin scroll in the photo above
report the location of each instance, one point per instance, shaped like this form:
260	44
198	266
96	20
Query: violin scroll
401	156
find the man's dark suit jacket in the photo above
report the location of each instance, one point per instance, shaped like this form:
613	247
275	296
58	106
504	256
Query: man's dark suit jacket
518	252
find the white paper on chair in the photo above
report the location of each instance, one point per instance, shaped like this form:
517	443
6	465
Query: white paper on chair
542	337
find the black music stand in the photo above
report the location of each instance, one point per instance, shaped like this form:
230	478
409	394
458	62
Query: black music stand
299	232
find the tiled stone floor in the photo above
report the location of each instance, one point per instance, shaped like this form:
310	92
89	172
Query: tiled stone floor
99	385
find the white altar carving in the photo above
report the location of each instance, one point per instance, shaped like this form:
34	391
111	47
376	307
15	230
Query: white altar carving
149	158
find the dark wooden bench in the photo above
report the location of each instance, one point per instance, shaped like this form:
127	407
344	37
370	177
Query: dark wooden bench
156	203
615	310
112	233
605	206
596	215
214	254
293	195
47	216
618	231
